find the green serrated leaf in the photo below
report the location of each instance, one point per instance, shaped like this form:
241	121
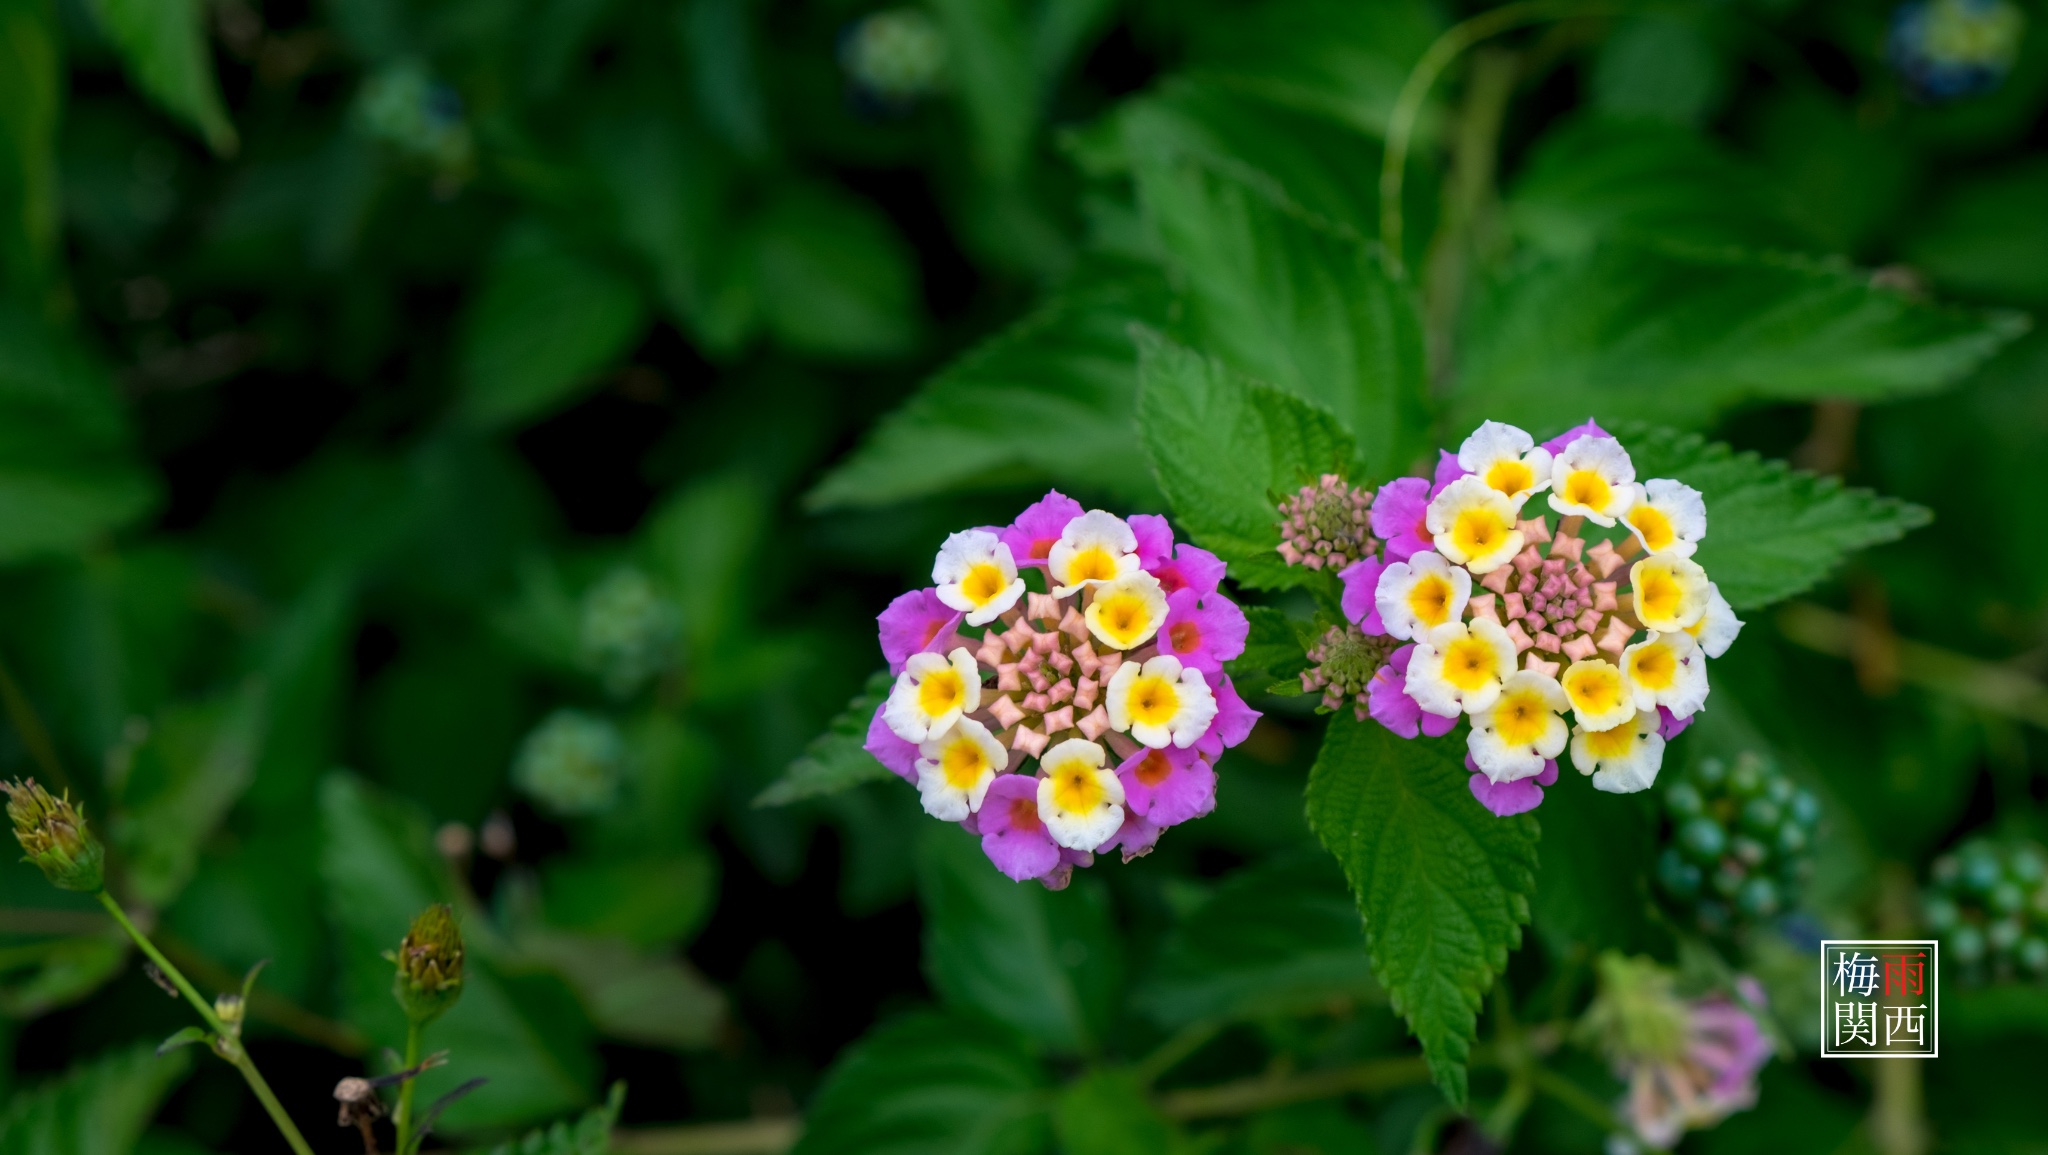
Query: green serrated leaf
1295	302
1680	336
1224	448
1772	530
546	320
1337	59
1067	366
163	46
1443	884
833	278
929	1084
835	760
1043	963
96	1108
1280	938
198	760
590	1134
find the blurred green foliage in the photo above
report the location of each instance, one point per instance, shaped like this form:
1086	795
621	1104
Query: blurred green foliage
454	453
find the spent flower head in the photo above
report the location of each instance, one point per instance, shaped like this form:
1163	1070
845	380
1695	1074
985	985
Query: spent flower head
1688	1062
429	961
1060	687
54	835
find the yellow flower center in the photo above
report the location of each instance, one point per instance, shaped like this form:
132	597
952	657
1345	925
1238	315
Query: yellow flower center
1430	600
1092	564
983	582
1510	476
1124	617
1595	689
1655	667
1604	745
940	691
963	762
1154	701
1521	718
1470	663
1479	531
1075	788
1654	526
1659	596
1587	488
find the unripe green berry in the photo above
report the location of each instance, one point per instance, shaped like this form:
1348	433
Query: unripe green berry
1683	801
1703	840
1760	816
1758	898
1680	879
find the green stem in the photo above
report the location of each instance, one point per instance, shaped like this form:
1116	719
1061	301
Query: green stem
1415	90
228	1044
403	1117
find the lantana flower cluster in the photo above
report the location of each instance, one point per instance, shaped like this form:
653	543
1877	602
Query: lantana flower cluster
1945	49
1689	1062
1468	602
1060	687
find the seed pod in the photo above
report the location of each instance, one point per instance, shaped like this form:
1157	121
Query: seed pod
429	962
55	836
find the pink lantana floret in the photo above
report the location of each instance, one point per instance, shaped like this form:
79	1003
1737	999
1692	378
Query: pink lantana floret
1203	632
1509	798
1032	535
1361	581
1233	722
1563	441
1398	517
1388	702
915	623
1168	786
899	755
1011	834
1192	568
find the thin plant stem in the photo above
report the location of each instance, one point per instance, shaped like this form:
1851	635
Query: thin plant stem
1175	1050
1415	90
228	1045
402	1118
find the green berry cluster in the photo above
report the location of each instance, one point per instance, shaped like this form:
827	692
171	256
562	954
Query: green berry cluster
1988	902
1739	843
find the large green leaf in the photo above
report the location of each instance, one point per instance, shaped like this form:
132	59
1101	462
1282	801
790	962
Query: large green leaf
589	1134
1043	963
1281	938
1443	884
833	278
1343	60
1595	178
546	320
1988	236
163	45
1225	448
929	1085
1772	531
198	760
1050	399
97	1108
67	475
1294	302
29	100
516	1025
1679	337
835	760
1108	1113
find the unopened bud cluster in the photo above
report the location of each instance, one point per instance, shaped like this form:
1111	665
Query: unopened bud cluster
572	763
430	963
1739	843
1327	525
1341	668
629	631
1988	903
54	836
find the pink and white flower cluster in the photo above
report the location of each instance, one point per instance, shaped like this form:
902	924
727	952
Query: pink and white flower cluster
1060	688
1485	610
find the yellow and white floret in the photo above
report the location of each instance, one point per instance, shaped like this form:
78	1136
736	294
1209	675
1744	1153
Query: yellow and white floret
1420	594
955	767
1667	670
1474	525
1671	593
1507	460
1160	702
1600	695
1593	478
1094	547
1126	611
1716	629
932	693
1459	667
977	576
1513	738
1080	800
1622	760
1668	517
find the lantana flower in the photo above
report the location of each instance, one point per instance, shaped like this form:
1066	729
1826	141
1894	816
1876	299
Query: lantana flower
1688	1062
1589	627
1060	689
